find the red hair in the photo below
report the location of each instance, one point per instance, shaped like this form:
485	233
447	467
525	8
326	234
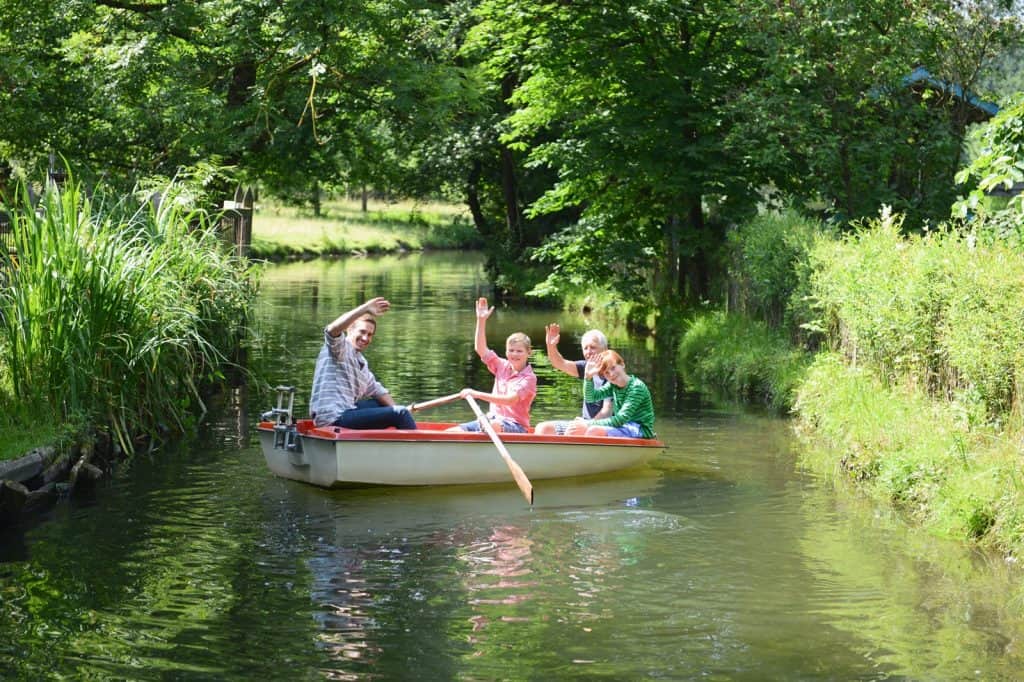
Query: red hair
608	359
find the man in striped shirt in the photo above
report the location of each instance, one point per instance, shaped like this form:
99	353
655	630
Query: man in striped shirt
345	392
633	410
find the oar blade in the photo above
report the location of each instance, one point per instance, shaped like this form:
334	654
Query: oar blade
521	480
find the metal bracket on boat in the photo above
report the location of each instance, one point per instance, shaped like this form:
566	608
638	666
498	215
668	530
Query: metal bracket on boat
286	437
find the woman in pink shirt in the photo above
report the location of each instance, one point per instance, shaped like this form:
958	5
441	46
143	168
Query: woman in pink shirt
515	384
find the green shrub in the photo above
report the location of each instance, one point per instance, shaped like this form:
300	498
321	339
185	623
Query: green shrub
741	358
940	310
769	257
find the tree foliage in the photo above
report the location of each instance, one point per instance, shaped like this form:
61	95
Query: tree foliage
835	108
287	93
996	175
635	132
625	103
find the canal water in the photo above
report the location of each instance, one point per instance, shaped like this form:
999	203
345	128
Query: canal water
719	560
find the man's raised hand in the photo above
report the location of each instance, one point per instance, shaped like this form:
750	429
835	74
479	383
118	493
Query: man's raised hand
552	333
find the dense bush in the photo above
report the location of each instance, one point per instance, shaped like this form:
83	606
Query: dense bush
768	267
741	358
942	310
113	314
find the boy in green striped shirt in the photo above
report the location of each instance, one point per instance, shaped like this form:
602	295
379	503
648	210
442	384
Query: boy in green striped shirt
634	412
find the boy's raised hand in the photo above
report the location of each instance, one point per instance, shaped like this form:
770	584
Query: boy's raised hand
552	333
482	311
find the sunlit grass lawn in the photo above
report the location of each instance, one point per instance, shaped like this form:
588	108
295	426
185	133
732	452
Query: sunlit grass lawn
343	227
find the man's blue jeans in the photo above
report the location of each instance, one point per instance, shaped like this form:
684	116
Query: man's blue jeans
370	414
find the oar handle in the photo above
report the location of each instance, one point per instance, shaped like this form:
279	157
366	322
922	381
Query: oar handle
415	407
517	471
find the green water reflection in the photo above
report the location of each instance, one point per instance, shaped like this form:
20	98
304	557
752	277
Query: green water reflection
718	561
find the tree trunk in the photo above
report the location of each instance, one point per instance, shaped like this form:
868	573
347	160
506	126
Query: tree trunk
473	200
700	279
243	79
672	283
509	182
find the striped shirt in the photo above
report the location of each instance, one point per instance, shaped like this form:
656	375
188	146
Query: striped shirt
341	379
632	403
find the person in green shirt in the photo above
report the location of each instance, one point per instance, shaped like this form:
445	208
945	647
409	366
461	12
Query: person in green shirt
633	415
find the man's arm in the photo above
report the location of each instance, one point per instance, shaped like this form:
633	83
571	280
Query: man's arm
377	306
552	333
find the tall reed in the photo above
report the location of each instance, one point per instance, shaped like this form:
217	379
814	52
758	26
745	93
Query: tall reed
115	314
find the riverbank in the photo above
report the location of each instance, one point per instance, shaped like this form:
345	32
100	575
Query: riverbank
115	320
906	381
344	228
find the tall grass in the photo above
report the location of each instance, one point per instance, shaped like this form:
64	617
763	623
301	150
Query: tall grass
113	314
942	310
921	454
918	397
922	400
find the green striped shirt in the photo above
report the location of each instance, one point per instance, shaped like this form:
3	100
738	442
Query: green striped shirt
632	403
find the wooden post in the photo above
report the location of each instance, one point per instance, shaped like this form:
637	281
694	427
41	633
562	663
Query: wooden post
245	224
238	216
6	233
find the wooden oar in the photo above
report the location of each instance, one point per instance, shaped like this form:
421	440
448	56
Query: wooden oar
517	471
415	407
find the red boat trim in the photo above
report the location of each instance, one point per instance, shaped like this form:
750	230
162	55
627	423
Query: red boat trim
436	432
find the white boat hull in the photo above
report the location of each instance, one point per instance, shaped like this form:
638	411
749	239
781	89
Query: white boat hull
333	457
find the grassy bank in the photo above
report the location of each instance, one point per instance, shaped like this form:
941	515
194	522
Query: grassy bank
916	397
283	232
923	455
921	403
112	317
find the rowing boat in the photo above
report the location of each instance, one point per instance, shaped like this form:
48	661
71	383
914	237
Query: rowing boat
333	456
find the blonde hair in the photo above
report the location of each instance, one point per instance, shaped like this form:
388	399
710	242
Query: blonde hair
519	337
608	359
